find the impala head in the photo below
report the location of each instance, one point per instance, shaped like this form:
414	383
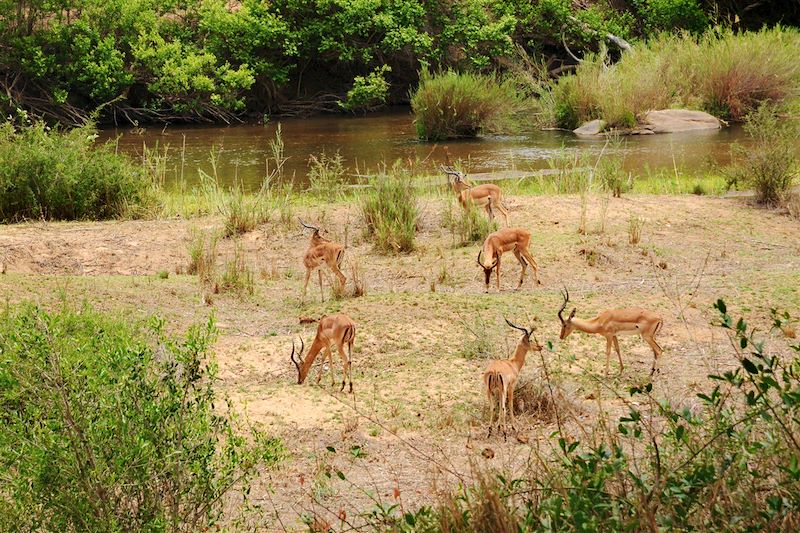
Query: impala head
298	363
526	338
487	270
566	325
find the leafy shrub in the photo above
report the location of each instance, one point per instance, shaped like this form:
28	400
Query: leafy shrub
450	105
768	163
369	91
391	212
111	426
729	464
59	175
670	15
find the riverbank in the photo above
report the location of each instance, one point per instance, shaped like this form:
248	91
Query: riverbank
415	425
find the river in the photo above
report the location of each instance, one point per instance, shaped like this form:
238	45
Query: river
364	143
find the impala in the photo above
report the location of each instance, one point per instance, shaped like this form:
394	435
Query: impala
322	251
508	239
500	378
338	329
489	196
613	322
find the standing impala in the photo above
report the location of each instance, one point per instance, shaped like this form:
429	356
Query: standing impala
613	322
507	240
488	195
322	251
339	329
500	378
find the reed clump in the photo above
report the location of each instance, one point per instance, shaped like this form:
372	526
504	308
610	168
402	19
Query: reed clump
391	211
451	105
62	175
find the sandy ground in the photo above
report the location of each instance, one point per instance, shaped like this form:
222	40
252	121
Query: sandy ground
416	423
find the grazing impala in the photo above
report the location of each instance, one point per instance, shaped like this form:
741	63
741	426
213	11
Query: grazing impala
500	378
613	322
488	195
508	239
338	329
322	251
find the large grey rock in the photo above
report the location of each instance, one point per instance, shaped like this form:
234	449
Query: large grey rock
591	128
677	120
660	121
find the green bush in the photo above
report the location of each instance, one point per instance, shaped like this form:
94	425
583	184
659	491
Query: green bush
59	175
450	105
109	426
730	463
671	15
391	211
768	162
368	92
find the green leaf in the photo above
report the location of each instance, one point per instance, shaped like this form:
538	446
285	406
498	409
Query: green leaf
749	366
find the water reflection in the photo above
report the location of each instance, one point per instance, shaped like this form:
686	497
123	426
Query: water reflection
366	142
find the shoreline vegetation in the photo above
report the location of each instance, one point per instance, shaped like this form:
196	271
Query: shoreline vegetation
726	74
56	174
133	62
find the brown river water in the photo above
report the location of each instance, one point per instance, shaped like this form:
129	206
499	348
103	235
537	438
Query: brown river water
365	143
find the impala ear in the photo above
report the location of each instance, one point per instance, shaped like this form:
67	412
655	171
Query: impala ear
572	314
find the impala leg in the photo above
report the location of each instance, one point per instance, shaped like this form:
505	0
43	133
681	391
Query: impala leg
503	401
619	355
532	262
524	266
305	284
321	294
345	367
608	352
338	273
656	351
503	211
490	397
511	408
330	365
498	274
350	364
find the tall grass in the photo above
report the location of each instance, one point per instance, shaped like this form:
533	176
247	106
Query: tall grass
62	175
724	73
467	226
391	211
450	105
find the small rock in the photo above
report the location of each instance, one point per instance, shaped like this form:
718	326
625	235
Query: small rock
488	453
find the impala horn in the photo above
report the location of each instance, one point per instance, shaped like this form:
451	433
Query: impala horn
299	355
565	295
308	226
527	333
496	259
